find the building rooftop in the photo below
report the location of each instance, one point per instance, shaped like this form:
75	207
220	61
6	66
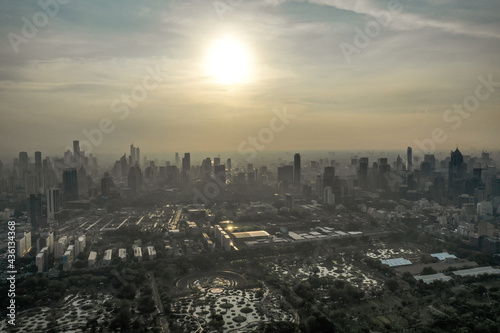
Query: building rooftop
477	271
396	262
432	277
251	234
443	256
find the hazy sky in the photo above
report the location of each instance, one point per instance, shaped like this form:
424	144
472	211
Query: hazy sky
355	75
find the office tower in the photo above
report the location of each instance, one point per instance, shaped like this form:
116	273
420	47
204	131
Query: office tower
228	164
328	196
23	165
285	176
177	160
70	185
329	177
220	174
457	171
399	163
83	182
123	165
431	159
35	210
52	203
106	184
249	167
135	180
76	152
296	171
132	154
384	169
38	160
409	159
216	161
138	156
186	162
206	168
363	173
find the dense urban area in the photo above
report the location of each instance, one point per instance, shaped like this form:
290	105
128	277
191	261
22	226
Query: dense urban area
309	242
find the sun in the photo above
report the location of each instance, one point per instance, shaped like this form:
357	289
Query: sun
228	61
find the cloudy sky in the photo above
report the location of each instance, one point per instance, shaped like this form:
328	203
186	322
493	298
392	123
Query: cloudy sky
352	75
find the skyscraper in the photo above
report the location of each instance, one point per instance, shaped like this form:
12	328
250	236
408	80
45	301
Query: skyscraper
457	171
138	156
132	154
177	160
35	210
135	180
23	165
363	173
70	184
52	203
296	171
38	160
186	162
409	159
76	152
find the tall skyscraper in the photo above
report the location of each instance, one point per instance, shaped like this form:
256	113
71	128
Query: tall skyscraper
177	160
138	155
35	210
135	180
329	177
363	173
76	152
23	165
106	184
220	174
296	171
52	203
457	171
70	185
409	159
132	154
186	162
38	160
228	164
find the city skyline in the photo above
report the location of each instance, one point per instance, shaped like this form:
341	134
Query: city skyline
352	76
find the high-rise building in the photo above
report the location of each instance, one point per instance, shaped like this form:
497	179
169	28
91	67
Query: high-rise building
177	160
38	160
138	156
409	159
186	162
70	185
135	180
431	159
52	203
106	184
35	210
285	176
23	165
216	161
76	152
457	171
132	154
220	174
363	173
228	164
329	177
296	171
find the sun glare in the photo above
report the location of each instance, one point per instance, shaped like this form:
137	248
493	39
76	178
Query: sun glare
228	61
